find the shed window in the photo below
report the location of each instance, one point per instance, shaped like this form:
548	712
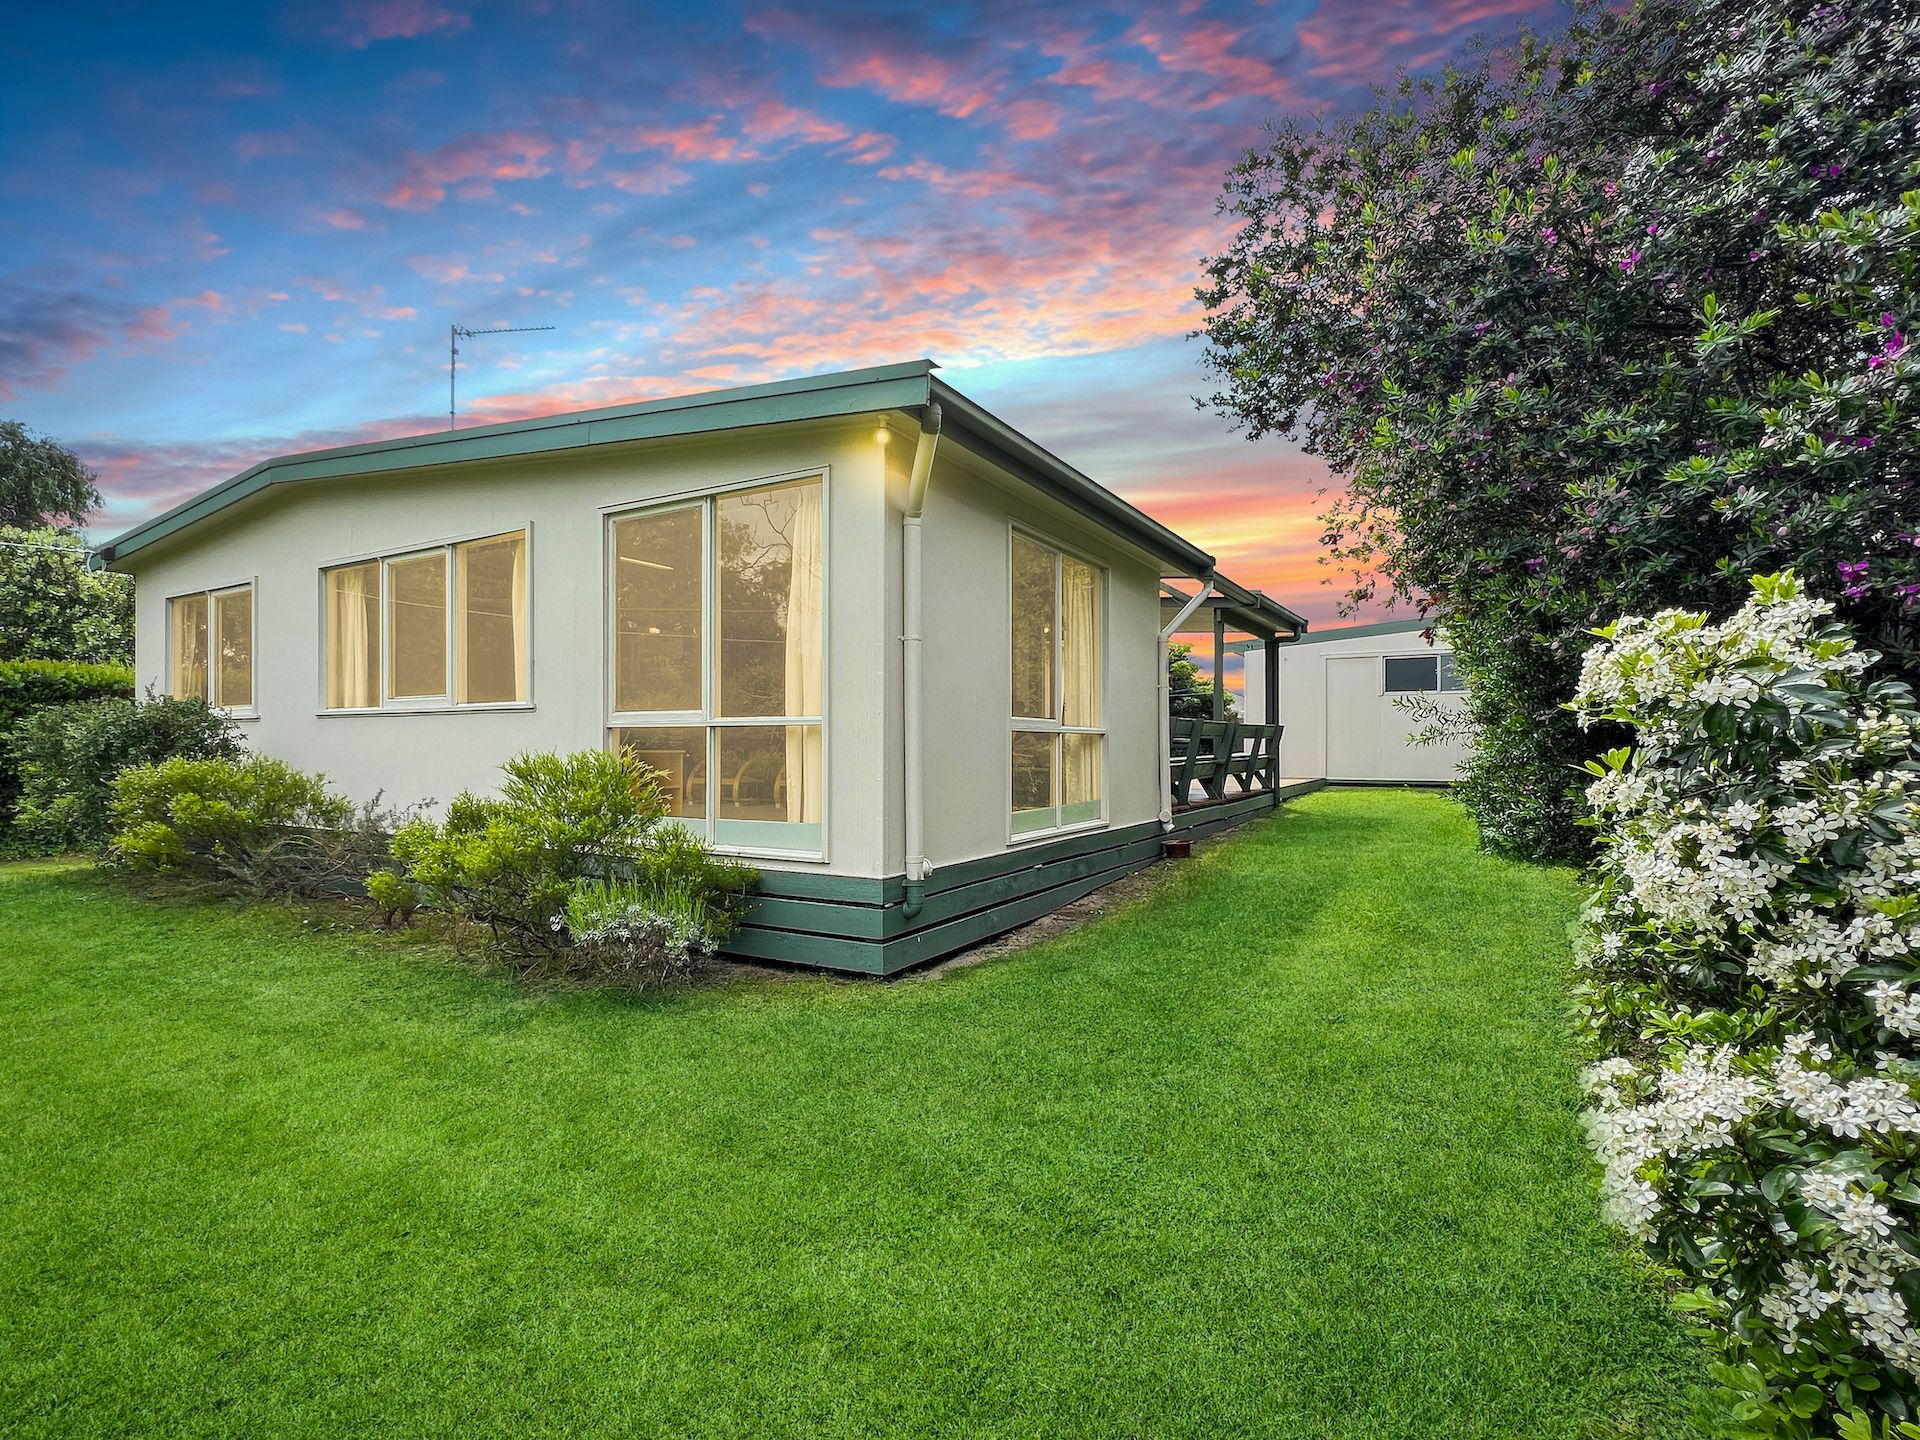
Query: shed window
1058	736
210	647
1408	674
430	628
719	630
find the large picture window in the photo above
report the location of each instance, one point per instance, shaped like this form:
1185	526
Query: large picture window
1058	740
429	628
717	647
210	647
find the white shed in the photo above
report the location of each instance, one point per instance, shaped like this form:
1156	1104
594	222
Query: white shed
1338	703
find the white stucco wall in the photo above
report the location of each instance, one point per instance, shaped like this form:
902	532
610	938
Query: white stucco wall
1334	683
971	509
282	541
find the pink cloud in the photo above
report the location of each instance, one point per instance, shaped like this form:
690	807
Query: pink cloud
368	21
471	164
45	333
1367	42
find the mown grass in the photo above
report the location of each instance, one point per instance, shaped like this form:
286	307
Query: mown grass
1288	1148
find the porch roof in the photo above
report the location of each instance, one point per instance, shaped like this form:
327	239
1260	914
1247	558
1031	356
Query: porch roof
1249	612
908	386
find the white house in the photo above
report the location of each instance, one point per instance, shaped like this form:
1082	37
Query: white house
1338	700
900	657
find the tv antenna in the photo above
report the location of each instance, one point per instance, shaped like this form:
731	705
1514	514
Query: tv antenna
454	333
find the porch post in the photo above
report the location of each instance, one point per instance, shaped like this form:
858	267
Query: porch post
1273	680
1219	664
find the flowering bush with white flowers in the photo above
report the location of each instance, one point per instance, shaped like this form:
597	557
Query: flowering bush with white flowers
1750	978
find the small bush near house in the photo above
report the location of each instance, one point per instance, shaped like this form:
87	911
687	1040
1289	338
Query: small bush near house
1750	980
561	824
69	755
624	931
29	686
255	823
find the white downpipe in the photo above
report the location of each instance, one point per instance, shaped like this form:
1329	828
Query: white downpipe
1167	632
912	780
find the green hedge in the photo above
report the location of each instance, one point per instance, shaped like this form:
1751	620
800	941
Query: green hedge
27	686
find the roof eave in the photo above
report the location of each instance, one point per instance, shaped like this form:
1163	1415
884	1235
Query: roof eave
995	440
888	387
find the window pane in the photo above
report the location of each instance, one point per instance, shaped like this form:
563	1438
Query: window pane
491	581
188	617
1033	607
769	602
1079	642
417	626
1080	779
678	757
1449	676
1411	672
353	637
233	639
767	786
1036	787
656	614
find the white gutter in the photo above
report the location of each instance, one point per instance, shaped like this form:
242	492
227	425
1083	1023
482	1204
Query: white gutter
912	787
1167	632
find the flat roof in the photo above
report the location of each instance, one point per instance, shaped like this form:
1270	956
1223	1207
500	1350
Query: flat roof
910	385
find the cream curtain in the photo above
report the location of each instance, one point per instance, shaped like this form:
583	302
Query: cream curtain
1080	672
352	612
803	677
522	641
189	613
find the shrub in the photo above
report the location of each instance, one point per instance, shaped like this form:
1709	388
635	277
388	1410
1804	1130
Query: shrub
256	823
52	607
29	686
67	757
1750	981
1606	322
515	860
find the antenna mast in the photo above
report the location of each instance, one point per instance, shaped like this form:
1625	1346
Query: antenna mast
454	332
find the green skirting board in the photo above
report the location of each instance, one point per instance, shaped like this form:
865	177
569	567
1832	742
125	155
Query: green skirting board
861	926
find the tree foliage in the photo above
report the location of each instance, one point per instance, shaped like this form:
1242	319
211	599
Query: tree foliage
42	483
53	608
1605	322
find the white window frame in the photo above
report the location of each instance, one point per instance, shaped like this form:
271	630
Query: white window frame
707	501
211	595
1057	726
443	703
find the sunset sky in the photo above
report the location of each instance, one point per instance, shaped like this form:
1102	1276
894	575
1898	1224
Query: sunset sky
229	232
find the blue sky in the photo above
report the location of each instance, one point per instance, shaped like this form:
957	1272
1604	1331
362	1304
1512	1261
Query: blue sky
231	231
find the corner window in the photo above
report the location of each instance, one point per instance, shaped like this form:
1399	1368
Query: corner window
717	647
1057	745
210	647
429	628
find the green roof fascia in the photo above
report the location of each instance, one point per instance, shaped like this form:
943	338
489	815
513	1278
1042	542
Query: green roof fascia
1361	632
885	387
993	439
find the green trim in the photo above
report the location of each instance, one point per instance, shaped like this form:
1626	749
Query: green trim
907	386
993	439
851	392
1361	632
860	925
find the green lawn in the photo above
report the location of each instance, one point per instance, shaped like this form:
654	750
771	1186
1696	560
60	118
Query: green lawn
1289	1148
